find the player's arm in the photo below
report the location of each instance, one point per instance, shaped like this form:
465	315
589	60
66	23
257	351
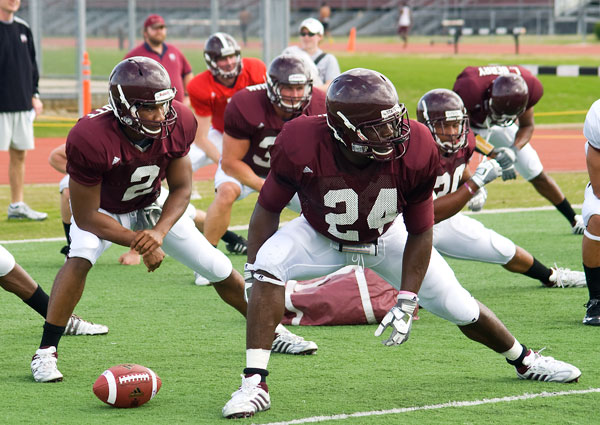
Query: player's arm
526	126
234	151
201	139
179	179
85	202
448	205
593	166
58	159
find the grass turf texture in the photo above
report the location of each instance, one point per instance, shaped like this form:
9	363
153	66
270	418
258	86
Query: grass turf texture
195	343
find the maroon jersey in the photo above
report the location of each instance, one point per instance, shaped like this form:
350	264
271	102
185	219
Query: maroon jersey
98	152
452	167
473	82
345	203
251	116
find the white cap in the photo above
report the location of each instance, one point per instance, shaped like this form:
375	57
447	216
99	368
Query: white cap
591	127
312	25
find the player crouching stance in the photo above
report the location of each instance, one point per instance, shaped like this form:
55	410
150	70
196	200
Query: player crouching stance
455	234
117	158
355	171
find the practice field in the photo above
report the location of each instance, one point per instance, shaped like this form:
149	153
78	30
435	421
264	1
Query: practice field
195	343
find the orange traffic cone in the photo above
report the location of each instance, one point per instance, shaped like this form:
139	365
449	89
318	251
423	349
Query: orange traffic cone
352	40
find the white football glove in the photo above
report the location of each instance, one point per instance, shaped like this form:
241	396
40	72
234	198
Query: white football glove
400	317
506	157
477	202
486	172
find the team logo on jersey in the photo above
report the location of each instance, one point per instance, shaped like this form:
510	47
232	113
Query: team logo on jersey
23	38
307	170
115	160
172	56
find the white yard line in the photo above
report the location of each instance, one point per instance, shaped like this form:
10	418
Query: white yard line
495	400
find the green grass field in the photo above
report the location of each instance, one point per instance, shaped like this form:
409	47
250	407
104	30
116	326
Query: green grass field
195	343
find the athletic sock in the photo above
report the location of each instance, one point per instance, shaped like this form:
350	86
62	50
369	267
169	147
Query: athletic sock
51	335
539	272
253	371
38	301
67	227
518	362
565	208
592	276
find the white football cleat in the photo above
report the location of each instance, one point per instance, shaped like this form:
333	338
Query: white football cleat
77	326
566	278
200	280
578	228
43	365
289	343
251	397
543	368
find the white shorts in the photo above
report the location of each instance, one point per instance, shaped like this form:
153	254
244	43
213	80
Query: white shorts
466	238
64	183
7	261
198	156
16	130
222	177
184	243
296	251
591	205
528	162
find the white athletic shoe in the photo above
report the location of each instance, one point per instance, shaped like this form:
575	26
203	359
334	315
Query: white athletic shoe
289	343
251	397
43	365
543	368
578	227
22	210
566	278
200	280
77	326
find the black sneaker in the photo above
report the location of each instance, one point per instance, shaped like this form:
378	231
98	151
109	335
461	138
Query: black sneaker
592	316
239	247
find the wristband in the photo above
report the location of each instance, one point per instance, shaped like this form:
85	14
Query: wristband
471	191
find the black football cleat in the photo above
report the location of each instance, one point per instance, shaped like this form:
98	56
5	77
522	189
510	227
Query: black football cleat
592	316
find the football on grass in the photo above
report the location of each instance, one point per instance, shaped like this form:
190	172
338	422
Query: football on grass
127	385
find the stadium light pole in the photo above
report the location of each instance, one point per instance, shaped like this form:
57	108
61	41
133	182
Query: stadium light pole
131	23
276	27
81	41
36	29
214	16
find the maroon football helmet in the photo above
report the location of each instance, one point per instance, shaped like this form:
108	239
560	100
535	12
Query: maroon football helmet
364	114
441	110
507	99
288	70
218	46
141	81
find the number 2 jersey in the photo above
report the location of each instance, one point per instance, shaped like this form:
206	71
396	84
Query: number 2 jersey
250	116
98	152
452	167
345	203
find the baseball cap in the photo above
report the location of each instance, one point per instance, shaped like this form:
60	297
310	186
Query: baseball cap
312	25
153	20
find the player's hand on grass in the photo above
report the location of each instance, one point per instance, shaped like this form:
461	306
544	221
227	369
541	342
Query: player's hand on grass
153	259
399	318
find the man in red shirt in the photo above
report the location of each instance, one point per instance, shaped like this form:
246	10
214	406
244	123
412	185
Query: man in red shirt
169	56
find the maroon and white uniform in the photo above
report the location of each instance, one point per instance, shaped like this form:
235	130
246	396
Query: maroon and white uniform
251	116
98	152
345	206
472	84
461	236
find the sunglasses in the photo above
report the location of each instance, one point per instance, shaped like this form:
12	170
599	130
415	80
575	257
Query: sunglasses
307	34
158	27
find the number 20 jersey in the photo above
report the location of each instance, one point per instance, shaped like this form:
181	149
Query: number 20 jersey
98	152
345	203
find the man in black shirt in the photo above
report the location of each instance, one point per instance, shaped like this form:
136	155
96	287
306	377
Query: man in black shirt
20	102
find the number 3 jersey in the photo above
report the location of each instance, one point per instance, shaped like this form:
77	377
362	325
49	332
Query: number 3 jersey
98	152
345	203
251	116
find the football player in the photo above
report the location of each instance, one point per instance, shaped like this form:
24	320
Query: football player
117	157
356	170
591	217
253	119
455	234
500	100
13	278
210	91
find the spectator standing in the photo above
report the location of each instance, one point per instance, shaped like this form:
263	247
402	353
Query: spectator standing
404	22
169	56
20	102
244	18
311	34
325	17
